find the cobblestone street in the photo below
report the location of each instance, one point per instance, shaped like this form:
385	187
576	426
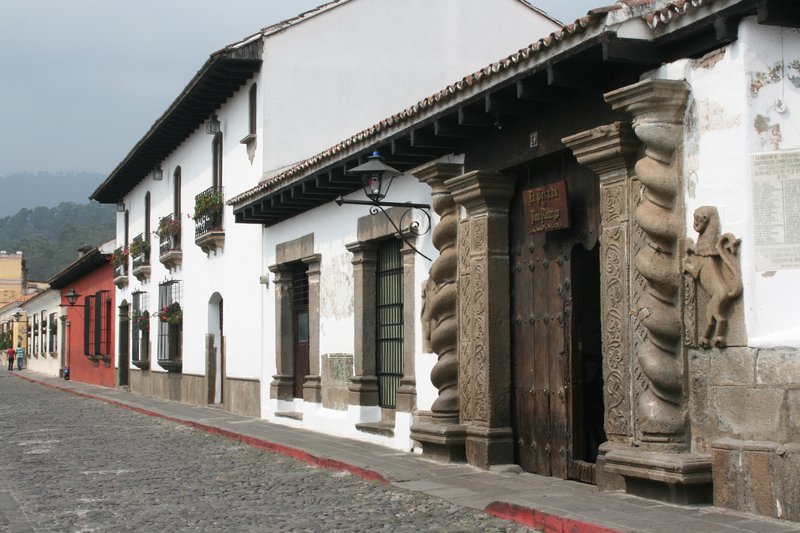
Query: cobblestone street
75	464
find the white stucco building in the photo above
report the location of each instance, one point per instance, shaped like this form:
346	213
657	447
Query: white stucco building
638	331
44	340
276	97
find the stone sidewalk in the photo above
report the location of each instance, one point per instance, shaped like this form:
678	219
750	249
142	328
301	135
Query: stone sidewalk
549	504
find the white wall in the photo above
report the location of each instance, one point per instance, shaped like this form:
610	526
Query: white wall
43	360
346	69
232	272
732	115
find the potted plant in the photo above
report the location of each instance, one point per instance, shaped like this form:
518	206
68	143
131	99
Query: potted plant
206	204
171	314
119	257
139	248
168	227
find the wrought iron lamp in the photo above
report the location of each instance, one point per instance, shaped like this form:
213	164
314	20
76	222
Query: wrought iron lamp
72	297
376	179
158	173
213	125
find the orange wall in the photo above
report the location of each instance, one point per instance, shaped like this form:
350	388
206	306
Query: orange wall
81	367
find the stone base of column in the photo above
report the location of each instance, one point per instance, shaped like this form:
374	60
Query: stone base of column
363	390
441	440
282	387
486	447
312	389
681	478
406	396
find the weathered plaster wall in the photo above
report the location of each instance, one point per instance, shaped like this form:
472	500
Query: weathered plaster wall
337	321
745	400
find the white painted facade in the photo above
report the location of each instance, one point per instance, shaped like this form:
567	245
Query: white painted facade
741	104
322	78
44	341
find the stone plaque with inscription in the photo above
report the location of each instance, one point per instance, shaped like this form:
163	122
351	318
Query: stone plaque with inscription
546	207
776	210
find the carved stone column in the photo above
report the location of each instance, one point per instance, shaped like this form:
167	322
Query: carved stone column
312	384
658	109
439	431
484	373
661	466
610	152
363	388
282	386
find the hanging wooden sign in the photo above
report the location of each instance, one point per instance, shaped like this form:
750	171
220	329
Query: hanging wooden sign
546	208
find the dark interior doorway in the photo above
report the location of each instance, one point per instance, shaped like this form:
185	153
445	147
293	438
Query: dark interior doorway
555	324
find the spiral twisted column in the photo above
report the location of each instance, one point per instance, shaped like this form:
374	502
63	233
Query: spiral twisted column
441	436
658	108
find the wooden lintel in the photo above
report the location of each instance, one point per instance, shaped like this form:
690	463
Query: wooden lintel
423	139
561	76
444	128
784	13
532	92
631	51
498	106
472	117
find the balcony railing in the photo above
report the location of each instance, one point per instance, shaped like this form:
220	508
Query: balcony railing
120	261
208	232
140	255
169	240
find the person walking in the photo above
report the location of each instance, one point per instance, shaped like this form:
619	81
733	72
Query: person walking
11	354
20	356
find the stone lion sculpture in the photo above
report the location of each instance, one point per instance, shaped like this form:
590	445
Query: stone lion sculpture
714	262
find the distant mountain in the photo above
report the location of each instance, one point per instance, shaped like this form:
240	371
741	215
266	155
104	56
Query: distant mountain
50	237
47	189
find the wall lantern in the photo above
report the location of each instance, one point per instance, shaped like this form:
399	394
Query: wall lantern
17	316
158	174
376	179
120	207
71	297
213	126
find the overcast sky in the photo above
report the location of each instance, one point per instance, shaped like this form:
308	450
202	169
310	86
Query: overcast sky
82	80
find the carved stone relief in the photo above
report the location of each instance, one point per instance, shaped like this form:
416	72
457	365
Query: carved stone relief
714	263
658	108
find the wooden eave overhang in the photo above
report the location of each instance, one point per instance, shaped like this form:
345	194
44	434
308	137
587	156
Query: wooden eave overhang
219	78
85	264
555	74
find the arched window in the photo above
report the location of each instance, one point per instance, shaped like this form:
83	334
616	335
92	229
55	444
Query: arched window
147	216
216	148
176	192
253	103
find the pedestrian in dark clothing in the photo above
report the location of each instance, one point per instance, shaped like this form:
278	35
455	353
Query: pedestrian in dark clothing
11	354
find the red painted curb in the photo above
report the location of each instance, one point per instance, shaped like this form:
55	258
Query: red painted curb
545	522
274	447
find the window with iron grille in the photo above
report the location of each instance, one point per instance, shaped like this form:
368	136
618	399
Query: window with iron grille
52	328
389	320
97	324
170	325
43	332
140	328
34	349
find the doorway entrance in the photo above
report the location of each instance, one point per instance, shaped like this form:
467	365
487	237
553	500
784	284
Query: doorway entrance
557	399
123	363
300	328
215	346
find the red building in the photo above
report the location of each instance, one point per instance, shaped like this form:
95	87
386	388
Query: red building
88	295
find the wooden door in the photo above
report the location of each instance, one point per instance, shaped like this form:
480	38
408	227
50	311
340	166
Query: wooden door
300	326
124	345
546	364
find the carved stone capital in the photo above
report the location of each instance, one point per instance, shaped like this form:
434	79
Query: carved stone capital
610	150
658	108
481	192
